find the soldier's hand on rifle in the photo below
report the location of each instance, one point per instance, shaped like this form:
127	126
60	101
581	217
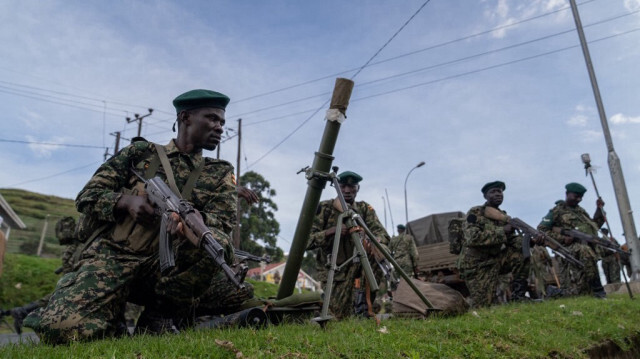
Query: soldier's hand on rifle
508	229
567	240
599	203
138	207
538	239
330	232
177	228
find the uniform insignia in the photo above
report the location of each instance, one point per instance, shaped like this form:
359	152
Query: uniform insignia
233	179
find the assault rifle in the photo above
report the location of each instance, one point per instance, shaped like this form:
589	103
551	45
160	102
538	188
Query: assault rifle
581	236
246	256
530	232
196	231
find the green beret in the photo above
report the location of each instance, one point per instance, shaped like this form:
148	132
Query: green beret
401	227
348	177
575	188
490	185
200	98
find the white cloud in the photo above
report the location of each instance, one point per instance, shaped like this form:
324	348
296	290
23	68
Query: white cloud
44	150
632	5
591	135
620	119
578	120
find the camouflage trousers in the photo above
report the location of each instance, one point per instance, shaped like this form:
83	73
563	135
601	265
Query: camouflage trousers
344	293
483	279
611	268
222	297
90	302
576	280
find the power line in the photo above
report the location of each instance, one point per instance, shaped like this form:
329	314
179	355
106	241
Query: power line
502	27
53	175
79	96
363	84
51	144
494	66
354	75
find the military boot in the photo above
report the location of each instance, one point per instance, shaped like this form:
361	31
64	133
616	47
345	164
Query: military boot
155	323
597	289
19	313
519	290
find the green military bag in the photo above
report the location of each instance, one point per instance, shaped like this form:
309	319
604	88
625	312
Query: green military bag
65	230
456	235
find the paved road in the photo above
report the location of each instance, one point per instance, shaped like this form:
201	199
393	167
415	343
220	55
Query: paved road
26	338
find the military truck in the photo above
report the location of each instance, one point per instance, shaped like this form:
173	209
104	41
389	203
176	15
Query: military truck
436	263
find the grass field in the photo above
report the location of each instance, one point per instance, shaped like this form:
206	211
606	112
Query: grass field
33	209
564	328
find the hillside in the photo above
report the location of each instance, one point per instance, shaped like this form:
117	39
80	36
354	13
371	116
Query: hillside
33	208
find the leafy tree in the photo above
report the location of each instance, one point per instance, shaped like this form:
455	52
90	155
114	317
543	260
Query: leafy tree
257	222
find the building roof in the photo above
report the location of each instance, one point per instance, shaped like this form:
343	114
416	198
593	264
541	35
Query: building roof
9	216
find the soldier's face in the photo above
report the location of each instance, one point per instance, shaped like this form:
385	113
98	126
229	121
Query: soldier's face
349	191
205	127
573	199
494	197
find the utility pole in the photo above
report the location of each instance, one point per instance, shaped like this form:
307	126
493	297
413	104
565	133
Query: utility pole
619	186
117	146
44	231
236	239
139	118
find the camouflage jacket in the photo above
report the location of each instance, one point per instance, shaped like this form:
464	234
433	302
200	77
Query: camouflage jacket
404	251
567	217
326	217
484	239
214	193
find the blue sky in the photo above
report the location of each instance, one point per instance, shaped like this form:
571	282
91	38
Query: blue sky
513	104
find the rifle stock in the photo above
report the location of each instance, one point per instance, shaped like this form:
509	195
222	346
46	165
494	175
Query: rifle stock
530	232
161	196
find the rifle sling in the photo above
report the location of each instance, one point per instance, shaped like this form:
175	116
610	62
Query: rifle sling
191	181
164	160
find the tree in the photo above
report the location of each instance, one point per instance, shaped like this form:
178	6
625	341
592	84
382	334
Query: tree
257	222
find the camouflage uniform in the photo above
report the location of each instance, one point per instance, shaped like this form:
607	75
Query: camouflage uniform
574	280
122	262
343	295
610	264
404	251
488	253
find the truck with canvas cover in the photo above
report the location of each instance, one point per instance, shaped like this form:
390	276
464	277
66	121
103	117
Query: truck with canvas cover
435	246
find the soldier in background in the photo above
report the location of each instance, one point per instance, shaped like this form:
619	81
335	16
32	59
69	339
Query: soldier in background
491	249
404	251
350	282
610	262
568	214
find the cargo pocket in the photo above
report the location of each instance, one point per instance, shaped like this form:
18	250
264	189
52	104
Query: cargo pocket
137	237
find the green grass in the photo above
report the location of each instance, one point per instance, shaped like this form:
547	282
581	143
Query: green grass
32	208
26	278
549	329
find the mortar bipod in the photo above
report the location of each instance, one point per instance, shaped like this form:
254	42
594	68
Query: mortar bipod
346	218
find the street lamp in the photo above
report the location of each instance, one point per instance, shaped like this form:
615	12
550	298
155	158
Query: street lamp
406	209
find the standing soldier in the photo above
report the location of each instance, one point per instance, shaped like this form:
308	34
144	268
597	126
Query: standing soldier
568	214
492	248
350	286
610	262
404	251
